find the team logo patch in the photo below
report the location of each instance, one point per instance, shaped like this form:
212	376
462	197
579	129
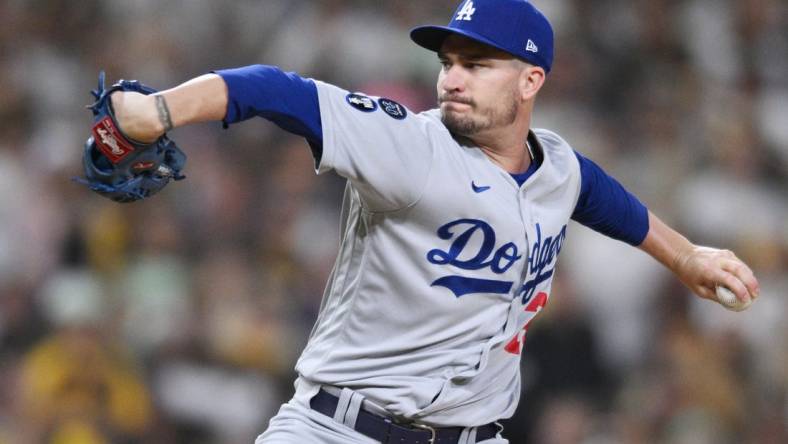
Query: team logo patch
361	102
393	109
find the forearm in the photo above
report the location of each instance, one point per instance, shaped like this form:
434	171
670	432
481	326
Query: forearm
231	95
700	268
199	100
665	244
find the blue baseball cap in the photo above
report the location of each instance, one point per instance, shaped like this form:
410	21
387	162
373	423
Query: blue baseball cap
513	26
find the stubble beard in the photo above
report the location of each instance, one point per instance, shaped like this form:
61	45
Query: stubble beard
491	117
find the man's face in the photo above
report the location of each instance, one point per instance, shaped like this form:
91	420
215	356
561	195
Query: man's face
477	86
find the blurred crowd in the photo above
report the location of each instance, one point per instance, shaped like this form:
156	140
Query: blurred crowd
179	318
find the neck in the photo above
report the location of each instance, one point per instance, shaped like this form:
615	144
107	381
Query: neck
507	146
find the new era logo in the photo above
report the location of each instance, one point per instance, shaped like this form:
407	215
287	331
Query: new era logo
531	46
467	11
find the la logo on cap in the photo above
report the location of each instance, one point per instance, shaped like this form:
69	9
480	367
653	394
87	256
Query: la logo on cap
466	13
531	46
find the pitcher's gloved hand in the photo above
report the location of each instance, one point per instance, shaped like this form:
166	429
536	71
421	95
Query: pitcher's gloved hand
121	168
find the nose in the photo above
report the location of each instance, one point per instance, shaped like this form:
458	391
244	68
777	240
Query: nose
453	79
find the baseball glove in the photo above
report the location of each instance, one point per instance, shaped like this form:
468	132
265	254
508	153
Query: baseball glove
119	167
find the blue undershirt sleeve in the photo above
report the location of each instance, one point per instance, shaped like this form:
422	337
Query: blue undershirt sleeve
605	206
286	99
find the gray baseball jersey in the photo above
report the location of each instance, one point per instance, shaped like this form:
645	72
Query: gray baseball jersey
444	261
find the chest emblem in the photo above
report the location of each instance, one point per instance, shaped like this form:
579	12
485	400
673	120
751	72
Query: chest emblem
487	256
474	247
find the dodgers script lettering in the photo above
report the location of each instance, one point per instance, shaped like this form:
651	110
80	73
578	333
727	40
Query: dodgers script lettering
485	254
541	261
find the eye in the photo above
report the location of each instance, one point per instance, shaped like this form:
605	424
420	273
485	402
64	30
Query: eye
445	64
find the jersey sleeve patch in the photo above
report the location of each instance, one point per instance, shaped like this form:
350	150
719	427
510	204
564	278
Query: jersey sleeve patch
393	109
361	102
387	160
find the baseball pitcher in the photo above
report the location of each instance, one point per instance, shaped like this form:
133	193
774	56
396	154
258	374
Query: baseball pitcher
452	223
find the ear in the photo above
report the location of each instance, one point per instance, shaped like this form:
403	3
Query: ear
531	80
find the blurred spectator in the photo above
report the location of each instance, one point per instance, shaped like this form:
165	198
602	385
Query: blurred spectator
78	385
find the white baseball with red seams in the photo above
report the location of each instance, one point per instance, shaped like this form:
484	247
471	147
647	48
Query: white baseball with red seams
729	300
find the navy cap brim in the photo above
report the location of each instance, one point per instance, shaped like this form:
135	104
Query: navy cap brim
432	37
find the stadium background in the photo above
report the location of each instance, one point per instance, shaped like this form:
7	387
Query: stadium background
179	319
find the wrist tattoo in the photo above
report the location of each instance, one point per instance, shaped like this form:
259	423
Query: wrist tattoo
164	113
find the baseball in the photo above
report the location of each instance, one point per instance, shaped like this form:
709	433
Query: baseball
729	300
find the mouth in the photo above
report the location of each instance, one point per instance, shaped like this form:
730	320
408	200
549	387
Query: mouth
455	100
453	104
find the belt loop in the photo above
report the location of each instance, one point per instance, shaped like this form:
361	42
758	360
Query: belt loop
352	410
468	436
342	404
348	405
